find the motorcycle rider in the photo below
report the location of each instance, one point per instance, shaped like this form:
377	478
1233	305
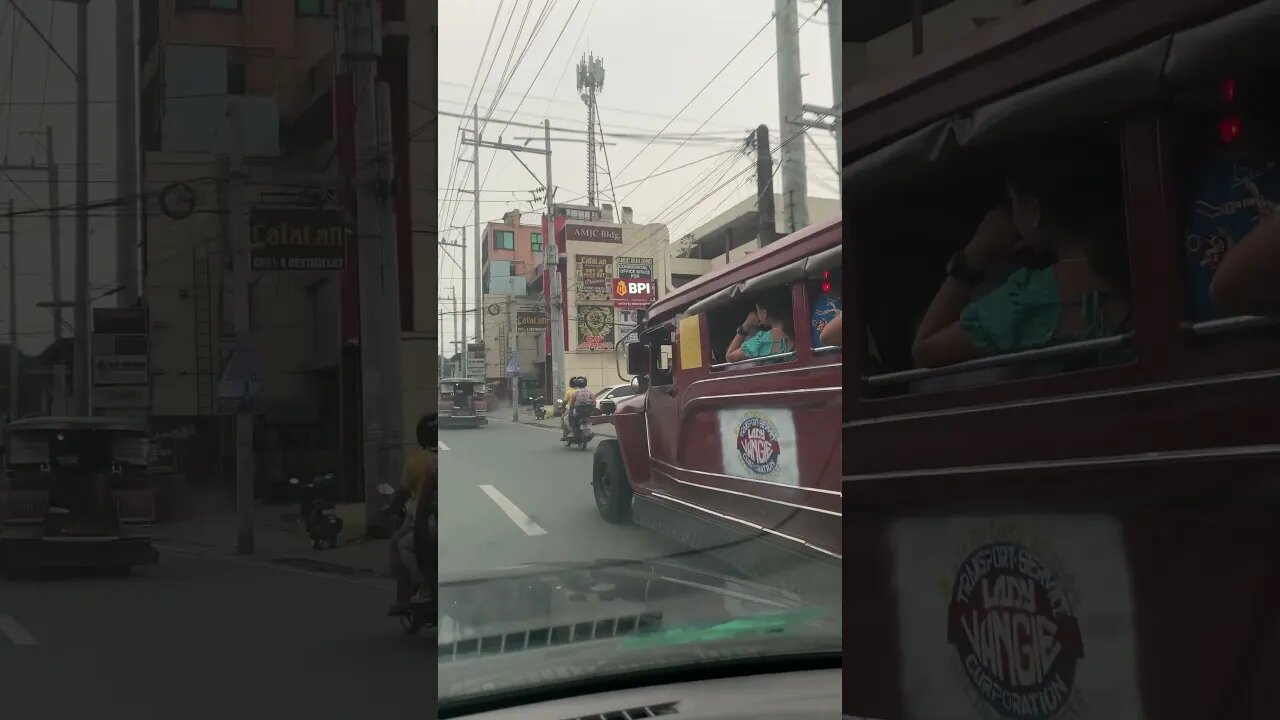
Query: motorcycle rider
577	402
419	477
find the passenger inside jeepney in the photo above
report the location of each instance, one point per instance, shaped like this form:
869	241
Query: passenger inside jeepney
1057	204
766	331
826	302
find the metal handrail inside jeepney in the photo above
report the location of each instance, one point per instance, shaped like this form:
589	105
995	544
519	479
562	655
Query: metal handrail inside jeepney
791	272
1055	351
1231	324
763	360
826	349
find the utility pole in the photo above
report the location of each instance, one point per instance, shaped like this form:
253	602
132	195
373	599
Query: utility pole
238	230
475	211
55	260
55	265
465	370
553	278
552	258
389	294
764	187
513	351
794	180
363	47
83	393
127	155
835	37
14	355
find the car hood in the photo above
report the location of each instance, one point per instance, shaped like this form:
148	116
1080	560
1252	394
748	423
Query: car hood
507	628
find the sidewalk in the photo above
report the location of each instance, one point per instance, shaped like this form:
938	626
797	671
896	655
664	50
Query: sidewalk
209	524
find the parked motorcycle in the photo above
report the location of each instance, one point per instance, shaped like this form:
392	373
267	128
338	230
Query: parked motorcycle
317	499
540	407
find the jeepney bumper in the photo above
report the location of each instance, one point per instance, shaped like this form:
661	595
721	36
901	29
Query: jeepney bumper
464	421
26	553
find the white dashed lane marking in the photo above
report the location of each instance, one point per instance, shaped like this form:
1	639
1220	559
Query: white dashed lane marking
521	520
15	632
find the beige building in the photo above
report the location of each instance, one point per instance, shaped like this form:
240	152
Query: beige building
731	236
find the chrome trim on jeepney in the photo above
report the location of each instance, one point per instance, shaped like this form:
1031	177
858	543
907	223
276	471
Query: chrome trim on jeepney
1224	325
1074	397
1240	452
994	361
677	468
748	495
746	523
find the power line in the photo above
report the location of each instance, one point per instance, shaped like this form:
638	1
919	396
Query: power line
735	92
704	88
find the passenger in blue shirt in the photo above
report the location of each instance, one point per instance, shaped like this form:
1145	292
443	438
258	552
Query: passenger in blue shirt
825	308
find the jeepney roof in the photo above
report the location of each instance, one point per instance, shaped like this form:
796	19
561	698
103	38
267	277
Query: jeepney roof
75	423
1134	65
785	252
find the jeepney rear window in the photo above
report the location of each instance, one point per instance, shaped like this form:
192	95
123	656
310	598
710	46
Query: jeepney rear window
1066	257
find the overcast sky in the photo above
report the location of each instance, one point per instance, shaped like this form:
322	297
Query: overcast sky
657	56
30	74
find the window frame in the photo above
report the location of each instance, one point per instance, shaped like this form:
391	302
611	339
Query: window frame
1146	227
535	242
498	233
326	12
203	6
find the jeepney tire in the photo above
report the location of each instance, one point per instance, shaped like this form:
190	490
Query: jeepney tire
609	474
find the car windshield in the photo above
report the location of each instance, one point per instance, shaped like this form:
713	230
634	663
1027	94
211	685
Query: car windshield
690	520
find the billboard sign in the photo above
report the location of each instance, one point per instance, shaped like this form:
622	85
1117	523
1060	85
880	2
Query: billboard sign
298	238
633	293
593	233
593	274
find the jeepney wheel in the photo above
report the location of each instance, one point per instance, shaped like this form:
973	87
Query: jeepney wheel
609	484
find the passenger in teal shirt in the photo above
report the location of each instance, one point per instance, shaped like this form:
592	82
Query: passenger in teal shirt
766	331
1058	205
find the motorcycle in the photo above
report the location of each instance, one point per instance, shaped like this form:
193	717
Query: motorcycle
540	408
316	505
420	615
582	434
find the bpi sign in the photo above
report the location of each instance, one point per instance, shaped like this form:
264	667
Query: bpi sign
633	292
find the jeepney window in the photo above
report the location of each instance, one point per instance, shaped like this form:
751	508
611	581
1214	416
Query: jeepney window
27	449
1005	263
1229	183
754	332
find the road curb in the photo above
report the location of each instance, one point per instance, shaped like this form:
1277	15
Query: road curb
284	558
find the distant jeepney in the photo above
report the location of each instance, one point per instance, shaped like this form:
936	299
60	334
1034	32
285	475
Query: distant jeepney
75	494
463	403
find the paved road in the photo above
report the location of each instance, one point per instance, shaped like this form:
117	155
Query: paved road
516	495
208	637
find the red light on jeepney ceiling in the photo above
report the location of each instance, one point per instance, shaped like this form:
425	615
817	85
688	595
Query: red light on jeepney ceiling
1228	89
826	281
1229	128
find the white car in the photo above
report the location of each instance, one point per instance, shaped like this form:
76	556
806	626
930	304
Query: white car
614	393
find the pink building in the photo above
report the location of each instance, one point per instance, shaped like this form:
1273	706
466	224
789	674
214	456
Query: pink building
511	250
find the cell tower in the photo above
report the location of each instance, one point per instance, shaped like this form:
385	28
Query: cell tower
590	82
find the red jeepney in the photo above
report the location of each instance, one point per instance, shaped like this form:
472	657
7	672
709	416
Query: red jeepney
709	451
463	403
1089	529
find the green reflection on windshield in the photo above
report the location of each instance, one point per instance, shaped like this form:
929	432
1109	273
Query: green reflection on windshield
778	622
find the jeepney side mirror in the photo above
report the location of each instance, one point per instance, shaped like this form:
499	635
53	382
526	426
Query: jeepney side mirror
640	384
637	359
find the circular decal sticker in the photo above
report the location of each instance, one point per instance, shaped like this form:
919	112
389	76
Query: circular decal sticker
758	445
1012	624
